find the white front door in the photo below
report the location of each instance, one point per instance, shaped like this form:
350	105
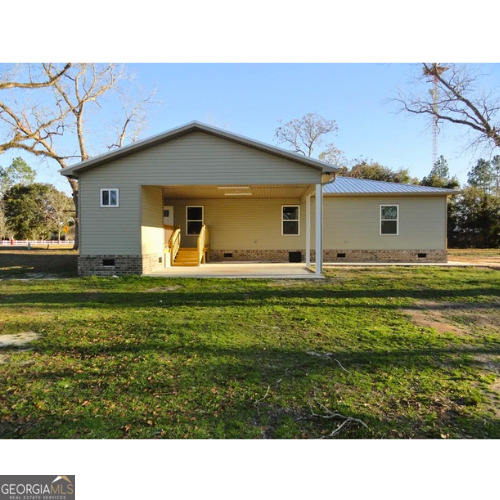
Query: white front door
168	215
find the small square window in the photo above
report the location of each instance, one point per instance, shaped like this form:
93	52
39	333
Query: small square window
109	197
290	220
389	219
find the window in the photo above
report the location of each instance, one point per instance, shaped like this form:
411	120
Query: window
109	197
389	219
290	220
194	220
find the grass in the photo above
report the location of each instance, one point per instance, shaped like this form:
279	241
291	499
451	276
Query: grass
18	262
214	358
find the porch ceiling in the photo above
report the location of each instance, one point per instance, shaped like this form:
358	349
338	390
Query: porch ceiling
233	191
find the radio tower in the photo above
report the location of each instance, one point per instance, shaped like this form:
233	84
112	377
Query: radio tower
434	71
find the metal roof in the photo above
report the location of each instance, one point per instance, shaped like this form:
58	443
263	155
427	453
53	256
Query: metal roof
351	185
191	127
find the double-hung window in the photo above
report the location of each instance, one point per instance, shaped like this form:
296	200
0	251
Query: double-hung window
290	220
110	197
194	220
389	219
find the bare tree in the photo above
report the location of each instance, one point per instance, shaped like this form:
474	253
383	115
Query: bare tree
46	110
60	211
458	100
304	135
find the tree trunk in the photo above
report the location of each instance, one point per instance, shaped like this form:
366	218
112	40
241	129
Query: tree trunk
74	187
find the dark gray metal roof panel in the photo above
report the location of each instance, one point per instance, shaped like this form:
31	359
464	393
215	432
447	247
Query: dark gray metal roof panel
350	185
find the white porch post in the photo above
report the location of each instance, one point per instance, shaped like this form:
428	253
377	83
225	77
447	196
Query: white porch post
308	230
319	228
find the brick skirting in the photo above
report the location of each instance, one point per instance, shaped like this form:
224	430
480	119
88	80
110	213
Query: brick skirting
384	256
332	255
118	265
252	255
109	265
152	262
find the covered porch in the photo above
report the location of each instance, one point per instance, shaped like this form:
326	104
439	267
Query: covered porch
240	230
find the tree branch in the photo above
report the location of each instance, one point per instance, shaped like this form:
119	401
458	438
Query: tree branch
460	105
35	85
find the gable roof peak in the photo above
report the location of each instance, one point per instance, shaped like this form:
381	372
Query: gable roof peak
187	128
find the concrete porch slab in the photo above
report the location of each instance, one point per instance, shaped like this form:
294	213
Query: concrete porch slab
239	270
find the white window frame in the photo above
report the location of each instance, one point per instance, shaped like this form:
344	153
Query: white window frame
380	220
290	220
195	220
109	197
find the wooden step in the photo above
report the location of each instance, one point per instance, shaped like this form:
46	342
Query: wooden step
187	257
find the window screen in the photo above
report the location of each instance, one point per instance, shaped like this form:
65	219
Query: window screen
290	219
389	219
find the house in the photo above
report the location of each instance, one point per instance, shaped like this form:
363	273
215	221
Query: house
198	192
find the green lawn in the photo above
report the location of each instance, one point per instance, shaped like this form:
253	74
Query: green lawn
383	352
19	262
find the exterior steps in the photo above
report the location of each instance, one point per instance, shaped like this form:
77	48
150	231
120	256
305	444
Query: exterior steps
187	257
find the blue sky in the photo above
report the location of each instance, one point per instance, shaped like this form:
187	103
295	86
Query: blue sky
250	99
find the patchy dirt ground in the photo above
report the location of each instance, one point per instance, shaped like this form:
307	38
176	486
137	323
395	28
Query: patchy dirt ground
163	288
17	339
464	318
478	256
456	317
11	343
428	314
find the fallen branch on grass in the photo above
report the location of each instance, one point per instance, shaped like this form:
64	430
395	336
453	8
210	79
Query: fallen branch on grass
327	355
330	414
257	401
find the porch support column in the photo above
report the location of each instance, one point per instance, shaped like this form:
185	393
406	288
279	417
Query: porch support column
308	230
319	228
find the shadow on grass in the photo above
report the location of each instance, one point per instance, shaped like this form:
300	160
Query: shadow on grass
21	263
308	297
178	388
188	407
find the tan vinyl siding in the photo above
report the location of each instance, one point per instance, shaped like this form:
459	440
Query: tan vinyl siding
152	237
194	159
354	223
109	230
199	158
242	224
